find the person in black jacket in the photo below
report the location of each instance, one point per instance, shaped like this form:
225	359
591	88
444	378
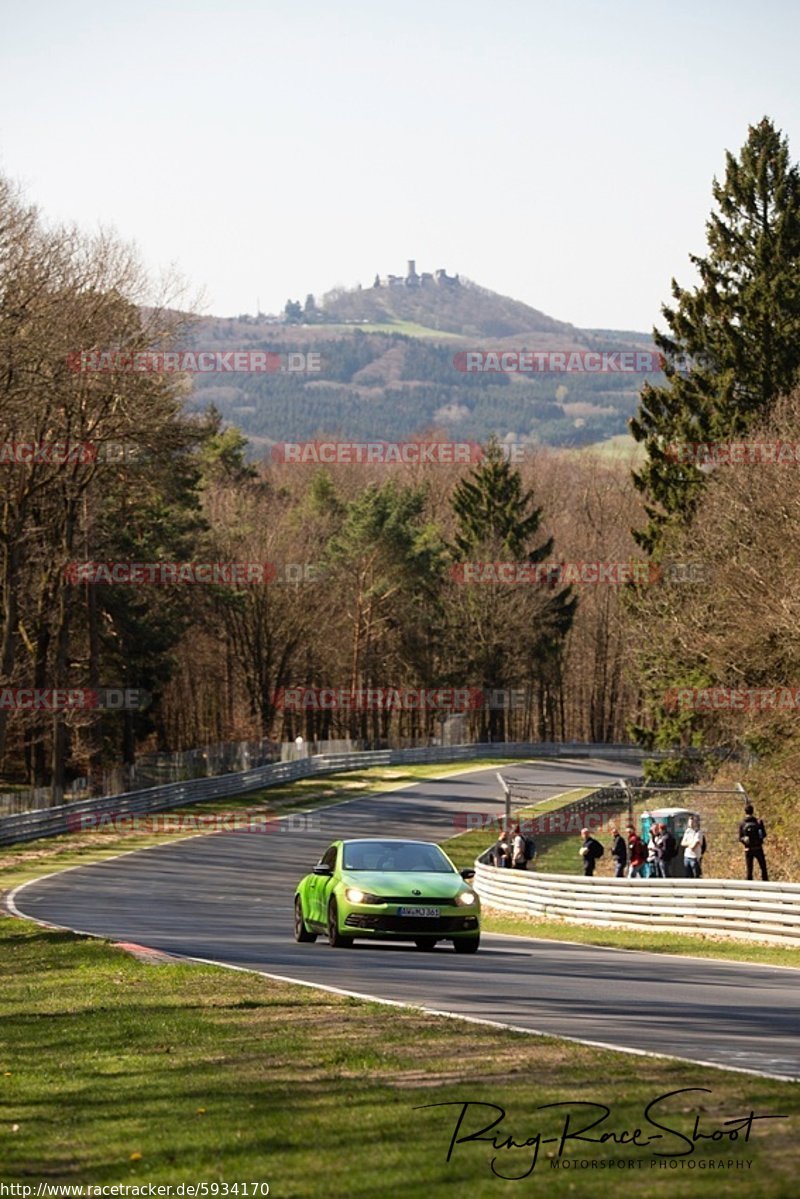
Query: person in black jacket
619	852
590	851
752	834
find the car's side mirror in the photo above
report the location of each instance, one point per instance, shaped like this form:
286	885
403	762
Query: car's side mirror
467	874
321	868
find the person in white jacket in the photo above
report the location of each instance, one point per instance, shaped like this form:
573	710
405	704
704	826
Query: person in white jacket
692	846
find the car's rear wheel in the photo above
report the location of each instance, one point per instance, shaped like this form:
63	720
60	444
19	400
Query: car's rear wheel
425	942
301	933
466	944
336	939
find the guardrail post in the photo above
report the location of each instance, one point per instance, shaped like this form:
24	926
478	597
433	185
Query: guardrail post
507	793
628	794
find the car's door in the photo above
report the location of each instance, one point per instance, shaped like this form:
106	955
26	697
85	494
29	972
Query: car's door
320	887
327	883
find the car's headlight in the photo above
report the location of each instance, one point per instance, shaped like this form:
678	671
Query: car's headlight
467	898
356	895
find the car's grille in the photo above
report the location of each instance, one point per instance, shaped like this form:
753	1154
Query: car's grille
416	901
410	924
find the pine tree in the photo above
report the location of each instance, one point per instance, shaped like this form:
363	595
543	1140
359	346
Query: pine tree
493	510
734	340
504	636
384	564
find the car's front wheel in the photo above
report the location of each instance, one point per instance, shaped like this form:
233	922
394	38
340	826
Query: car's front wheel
336	939
466	944
301	933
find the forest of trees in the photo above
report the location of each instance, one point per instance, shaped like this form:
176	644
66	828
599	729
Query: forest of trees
364	589
400	385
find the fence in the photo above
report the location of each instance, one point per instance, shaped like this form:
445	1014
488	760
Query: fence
151	770
755	911
160	769
48	822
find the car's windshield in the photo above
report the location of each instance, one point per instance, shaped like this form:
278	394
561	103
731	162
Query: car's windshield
395	855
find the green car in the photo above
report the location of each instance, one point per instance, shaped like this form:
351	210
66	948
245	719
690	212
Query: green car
387	890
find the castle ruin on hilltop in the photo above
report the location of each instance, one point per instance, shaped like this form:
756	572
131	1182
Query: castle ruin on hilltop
412	279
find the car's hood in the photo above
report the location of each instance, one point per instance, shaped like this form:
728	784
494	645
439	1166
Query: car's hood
404	882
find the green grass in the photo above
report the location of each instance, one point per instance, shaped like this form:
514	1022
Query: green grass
621	447
650	942
409	328
117	1071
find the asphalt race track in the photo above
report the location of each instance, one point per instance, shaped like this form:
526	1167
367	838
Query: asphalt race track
227	897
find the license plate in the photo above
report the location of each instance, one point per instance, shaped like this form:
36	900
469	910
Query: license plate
418	912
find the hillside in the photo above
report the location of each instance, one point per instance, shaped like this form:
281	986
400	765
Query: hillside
451	306
387	370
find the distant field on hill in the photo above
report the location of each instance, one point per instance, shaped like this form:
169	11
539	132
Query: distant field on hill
620	446
408	328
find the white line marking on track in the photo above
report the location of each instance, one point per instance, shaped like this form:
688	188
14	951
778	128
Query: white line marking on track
417	1007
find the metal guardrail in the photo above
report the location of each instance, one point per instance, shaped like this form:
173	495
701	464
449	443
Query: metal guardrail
49	822
768	912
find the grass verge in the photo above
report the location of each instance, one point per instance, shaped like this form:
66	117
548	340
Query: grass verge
706	946
113	1070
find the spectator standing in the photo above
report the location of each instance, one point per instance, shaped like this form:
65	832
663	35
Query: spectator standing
501	850
670	849
652	852
619	852
752	834
637	854
590	851
665	844
519	849
693	845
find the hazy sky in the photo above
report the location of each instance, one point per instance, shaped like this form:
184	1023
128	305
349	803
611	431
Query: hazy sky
560	153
